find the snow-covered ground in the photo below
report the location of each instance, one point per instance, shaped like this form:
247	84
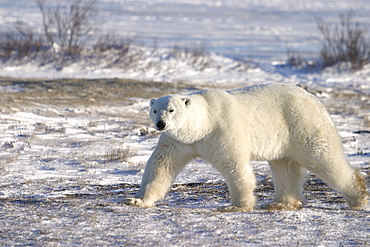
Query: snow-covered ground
71	150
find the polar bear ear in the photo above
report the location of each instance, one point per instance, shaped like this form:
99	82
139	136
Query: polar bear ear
187	101
152	101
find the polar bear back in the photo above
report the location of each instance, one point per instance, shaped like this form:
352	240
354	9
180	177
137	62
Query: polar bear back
274	102
269	119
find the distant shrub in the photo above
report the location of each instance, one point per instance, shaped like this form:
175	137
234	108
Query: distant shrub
197	55
67	35
296	61
68	29
346	41
65	32
20	43
115	45
112	42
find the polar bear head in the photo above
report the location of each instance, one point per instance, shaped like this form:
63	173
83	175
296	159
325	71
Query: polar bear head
169	113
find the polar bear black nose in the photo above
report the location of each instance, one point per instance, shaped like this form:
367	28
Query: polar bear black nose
160	125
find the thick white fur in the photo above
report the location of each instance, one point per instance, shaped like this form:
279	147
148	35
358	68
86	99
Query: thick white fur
282	124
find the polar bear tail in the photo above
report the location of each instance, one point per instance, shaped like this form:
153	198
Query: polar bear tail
360	200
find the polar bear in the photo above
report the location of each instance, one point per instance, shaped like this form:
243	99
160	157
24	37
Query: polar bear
282	124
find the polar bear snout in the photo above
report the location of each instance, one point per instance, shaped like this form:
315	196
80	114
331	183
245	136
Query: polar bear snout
161	125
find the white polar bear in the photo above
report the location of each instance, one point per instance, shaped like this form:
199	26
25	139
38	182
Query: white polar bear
282	124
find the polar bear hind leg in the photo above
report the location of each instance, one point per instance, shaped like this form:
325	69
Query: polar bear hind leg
288	177
333	168
341	177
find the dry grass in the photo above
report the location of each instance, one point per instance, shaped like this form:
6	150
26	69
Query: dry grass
120	154
74	92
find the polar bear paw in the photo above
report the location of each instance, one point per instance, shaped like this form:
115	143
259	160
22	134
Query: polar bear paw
230	209
137	202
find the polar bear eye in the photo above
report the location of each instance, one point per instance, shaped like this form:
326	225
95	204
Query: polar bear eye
172	110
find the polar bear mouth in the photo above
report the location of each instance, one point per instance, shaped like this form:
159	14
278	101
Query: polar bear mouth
160	125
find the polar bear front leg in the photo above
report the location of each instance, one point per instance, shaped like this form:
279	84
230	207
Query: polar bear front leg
241	182
165	163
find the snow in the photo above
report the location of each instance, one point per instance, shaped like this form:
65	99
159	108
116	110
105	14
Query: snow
70	155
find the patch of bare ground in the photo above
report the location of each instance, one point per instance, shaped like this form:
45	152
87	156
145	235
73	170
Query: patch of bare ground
77	92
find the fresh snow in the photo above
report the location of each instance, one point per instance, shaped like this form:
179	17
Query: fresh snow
66	167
